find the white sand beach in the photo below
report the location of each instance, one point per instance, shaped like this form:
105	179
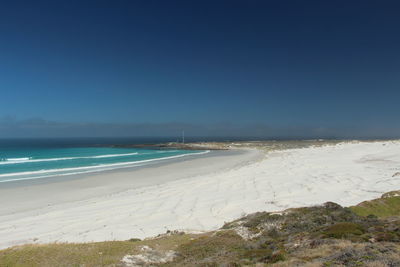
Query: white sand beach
194	194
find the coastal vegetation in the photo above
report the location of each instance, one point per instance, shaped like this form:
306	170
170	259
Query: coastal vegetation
386	206
367	234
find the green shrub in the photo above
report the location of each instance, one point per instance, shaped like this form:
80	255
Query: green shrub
343	230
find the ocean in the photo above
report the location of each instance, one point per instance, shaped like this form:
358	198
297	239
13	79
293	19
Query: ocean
25	159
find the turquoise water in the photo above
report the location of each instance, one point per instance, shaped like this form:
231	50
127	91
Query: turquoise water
23	163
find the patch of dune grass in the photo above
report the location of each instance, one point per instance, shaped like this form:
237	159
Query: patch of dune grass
382	207
208	250
93	254
96	254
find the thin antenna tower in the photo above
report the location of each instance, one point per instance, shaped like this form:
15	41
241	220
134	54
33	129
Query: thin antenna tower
183	137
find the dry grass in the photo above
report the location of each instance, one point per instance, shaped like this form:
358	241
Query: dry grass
87	254
346	253
294	262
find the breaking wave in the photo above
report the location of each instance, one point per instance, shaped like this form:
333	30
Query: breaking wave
29	175
29	160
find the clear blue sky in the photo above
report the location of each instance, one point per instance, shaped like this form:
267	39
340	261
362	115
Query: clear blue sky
282	64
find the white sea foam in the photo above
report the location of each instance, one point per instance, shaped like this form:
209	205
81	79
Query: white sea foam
17	159
29	160
19	176
65	174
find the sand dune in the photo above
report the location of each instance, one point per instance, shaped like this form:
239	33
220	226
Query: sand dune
346	173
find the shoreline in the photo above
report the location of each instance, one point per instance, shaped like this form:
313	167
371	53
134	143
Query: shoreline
190	197
134	165
127	178
29	198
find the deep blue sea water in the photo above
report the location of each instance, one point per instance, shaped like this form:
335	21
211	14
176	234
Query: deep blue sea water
23	159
